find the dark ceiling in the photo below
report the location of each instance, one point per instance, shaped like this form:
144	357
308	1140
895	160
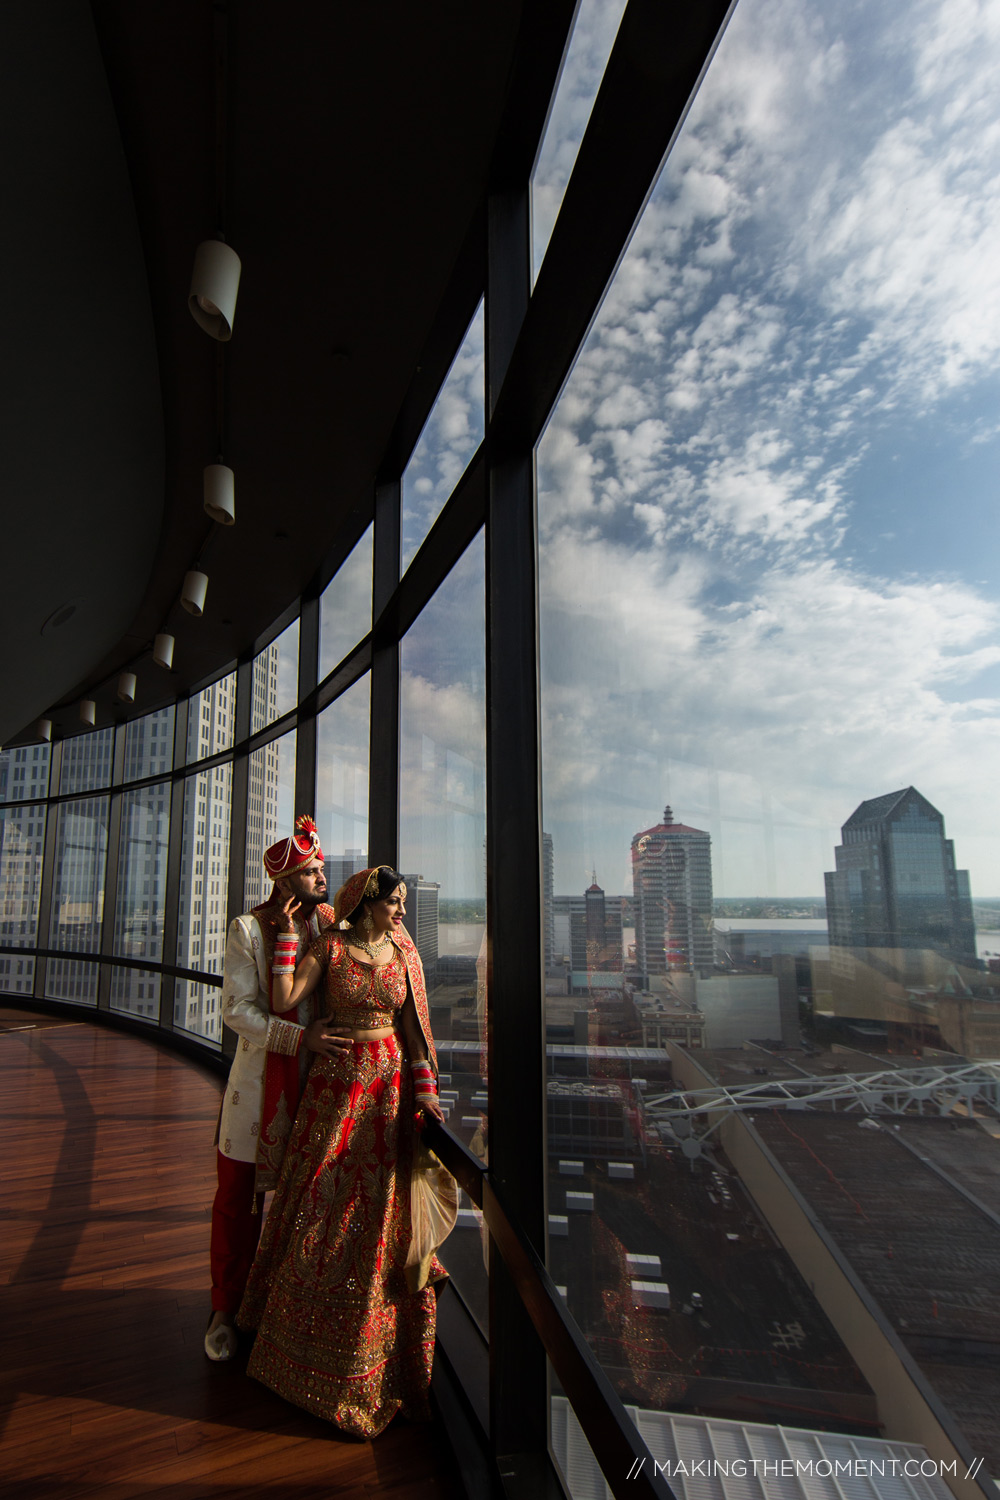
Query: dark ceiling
343	149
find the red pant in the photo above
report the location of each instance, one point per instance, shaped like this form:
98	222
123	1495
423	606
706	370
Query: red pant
236	1217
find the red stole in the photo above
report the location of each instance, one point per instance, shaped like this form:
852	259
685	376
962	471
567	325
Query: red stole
282	1073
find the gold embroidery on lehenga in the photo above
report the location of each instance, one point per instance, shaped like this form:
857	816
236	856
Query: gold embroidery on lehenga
339	1333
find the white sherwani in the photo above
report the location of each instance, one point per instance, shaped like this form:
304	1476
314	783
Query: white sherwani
246	1007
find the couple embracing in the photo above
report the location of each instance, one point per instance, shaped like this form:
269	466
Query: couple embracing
334	1072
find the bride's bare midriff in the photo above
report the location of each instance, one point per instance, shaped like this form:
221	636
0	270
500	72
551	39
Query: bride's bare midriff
359	1034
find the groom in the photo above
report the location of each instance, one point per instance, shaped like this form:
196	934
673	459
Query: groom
268	1070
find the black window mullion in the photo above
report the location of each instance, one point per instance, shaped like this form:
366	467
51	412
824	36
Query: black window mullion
111	861
175	839
383	776
48	874
518	1372
240	789
305	737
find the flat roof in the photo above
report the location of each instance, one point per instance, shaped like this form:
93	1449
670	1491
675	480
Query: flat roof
915	1206
710	1458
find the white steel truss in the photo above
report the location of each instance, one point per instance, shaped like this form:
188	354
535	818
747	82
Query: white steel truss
935	1090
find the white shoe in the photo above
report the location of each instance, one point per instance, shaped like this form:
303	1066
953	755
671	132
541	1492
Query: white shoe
221	1341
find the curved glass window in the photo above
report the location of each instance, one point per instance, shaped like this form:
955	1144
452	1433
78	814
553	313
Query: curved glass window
275	679
769	650
24	773
343	737
450	437
212	719
202	894
142	872
149	745
136	992
86	761
270	802
442	819
594	30
345	606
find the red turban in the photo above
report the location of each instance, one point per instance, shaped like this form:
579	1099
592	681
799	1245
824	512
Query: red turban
289	855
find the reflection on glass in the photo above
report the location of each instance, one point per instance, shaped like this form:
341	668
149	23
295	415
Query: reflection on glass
342	742
587	53
212	719
142	873
24	773
149	745
345	606
22	844
201	917
78	897
442	808
72	979
78	885
275	679
453	432
86	761
270	811
770	647
136	992
197	1008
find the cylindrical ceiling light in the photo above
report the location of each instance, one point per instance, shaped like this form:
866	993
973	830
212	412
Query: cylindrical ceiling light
194	591
45	729
126	687
220	494
163	651
88	711
215	281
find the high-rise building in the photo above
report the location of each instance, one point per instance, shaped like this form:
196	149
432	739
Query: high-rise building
895	884
24	773
548	889
672	886
422	922
596	934
339	868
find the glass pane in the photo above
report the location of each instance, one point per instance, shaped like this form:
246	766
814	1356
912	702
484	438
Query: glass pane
770	644
204	882
453	432
270	811
275	679
17	975
24	773
587	53
86	761
142	872
78	885
197	1009
136	992
22	848
345	607
72	979
342	740
149	745
443	857
212	719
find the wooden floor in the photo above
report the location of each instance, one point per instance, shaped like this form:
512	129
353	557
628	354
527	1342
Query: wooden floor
105	1190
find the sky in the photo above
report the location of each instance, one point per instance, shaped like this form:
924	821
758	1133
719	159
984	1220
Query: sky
768	492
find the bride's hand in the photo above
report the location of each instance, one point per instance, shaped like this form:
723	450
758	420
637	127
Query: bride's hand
286	913
433	1108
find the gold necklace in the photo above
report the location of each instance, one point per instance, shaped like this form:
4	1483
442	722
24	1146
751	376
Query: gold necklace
372	949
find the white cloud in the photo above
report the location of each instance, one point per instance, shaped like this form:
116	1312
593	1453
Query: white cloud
823	688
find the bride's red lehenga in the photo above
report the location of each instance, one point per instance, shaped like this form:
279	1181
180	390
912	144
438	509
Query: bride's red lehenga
338	1331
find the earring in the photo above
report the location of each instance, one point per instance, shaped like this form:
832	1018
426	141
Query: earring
367	926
